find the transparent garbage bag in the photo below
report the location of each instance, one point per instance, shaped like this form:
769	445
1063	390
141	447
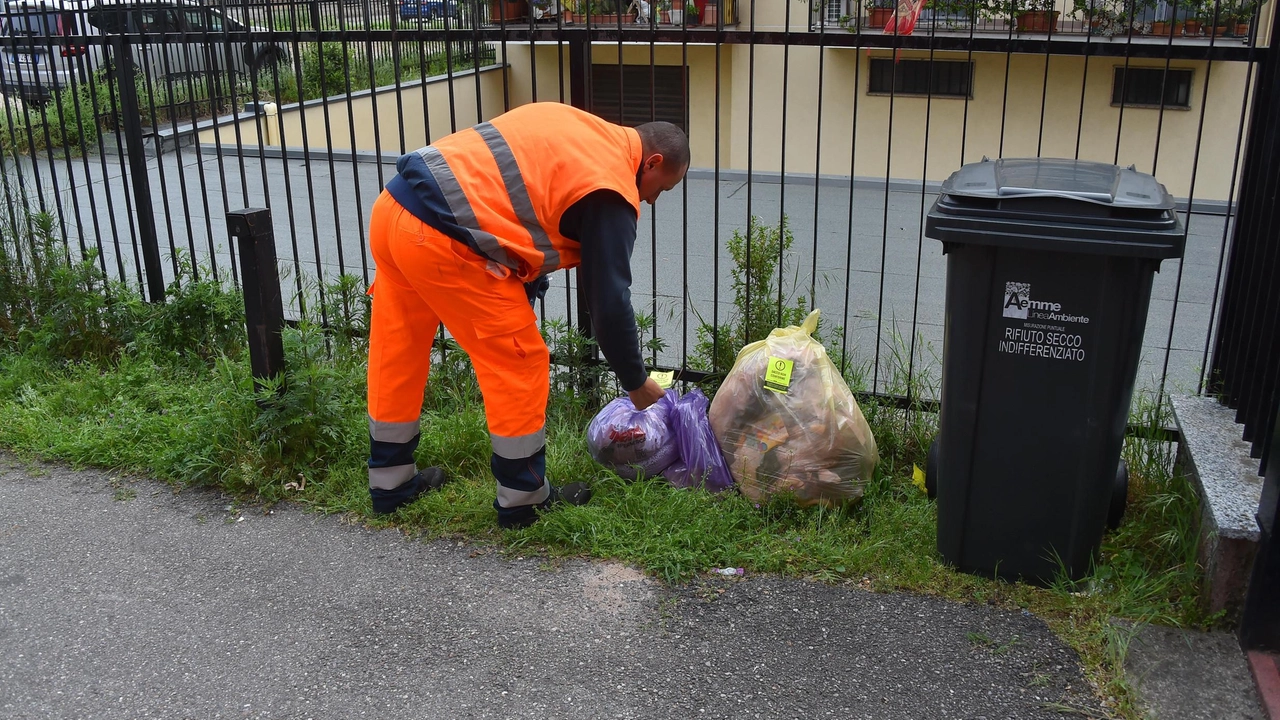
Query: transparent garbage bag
787	422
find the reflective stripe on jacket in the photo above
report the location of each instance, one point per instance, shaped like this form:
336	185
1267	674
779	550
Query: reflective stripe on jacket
502	186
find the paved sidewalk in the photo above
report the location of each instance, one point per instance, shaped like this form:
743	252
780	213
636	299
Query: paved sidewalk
126	600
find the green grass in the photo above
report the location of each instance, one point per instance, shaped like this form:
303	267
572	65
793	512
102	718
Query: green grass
110	390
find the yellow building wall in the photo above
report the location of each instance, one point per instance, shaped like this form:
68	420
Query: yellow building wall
1051	106
702	92
393	108
545	70
773	15
890	134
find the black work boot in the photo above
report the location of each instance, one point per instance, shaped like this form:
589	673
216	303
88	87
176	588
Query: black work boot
386	502
575	493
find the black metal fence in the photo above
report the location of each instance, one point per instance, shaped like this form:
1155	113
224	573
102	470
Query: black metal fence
822	141
1246	360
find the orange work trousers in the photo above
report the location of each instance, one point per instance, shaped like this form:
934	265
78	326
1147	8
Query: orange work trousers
424	278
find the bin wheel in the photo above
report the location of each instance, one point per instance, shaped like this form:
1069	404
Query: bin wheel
931	471
1119	496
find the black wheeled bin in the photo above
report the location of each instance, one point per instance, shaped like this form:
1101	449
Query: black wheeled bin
1049	271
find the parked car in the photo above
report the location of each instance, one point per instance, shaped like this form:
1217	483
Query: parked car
43	42
429	9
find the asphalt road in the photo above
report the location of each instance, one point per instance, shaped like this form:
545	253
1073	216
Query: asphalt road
122	599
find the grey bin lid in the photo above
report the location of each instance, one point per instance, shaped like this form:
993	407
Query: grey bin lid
1057	205
1068	179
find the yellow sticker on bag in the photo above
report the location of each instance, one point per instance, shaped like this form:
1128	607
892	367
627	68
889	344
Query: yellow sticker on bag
777	376
664	379
917	477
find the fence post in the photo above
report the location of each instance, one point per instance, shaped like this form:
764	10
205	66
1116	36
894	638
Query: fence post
126	76
1260	627
263	307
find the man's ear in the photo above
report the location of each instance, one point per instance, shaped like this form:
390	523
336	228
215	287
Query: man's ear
653	161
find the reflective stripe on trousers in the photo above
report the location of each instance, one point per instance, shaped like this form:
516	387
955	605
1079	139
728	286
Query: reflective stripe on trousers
521	482
391	448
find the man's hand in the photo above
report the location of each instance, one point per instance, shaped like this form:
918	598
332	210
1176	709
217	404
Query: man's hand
647	394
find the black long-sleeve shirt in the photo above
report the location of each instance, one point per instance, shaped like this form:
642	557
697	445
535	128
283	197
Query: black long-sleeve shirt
603	223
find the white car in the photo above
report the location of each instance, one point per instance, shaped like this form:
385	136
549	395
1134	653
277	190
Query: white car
38	39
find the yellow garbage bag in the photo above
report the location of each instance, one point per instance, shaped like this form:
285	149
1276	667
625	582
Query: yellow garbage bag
787	422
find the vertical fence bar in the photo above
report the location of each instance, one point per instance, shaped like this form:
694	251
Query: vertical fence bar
152	114
1186	229
173	115
1227	223
853	184
263	308
924	187
751	117
782	161
61	92
817	159
884	222
715	220
138	171
344	28
579	69
54	97
84	79
274	60
213	90
106	173
684	204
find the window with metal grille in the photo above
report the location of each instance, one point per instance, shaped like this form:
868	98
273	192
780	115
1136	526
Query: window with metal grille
1146	87
638	86
834	10
939	78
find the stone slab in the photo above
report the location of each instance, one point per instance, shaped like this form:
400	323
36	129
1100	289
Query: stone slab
1191	675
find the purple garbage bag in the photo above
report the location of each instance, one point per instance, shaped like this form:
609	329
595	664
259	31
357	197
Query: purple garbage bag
630	442
701	462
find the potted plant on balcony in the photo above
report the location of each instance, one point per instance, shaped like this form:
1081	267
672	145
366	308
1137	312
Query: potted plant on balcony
1216	15
1190	11
690	14
1038	16
664	11
879	12
603	12
676	12
954	14
507	10
1165	27
1242	17
1105	17
711	13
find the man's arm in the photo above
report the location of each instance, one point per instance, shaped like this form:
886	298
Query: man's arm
604	224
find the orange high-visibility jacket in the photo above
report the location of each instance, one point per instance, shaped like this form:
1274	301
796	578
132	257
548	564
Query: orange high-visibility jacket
507	182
